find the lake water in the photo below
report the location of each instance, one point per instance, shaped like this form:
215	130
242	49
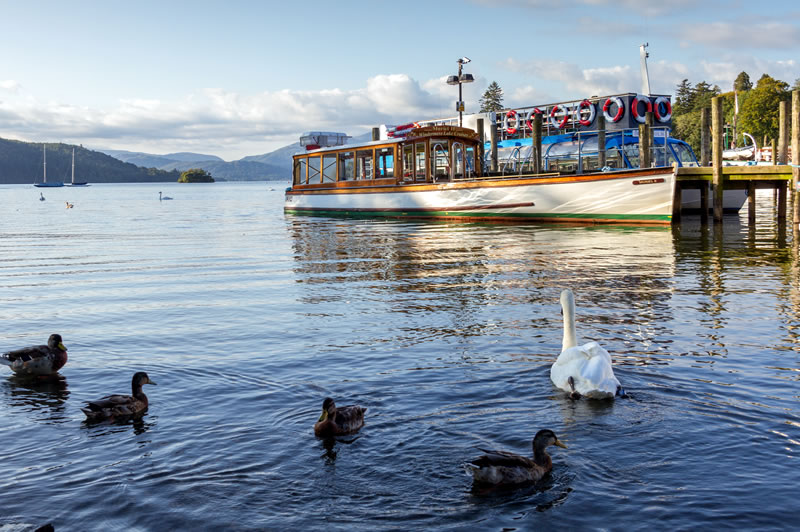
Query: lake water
247	318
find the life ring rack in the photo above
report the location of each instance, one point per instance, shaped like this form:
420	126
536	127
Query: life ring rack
528	122
553	121
592	113
667	114
511	114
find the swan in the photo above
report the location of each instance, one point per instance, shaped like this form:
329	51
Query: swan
41	196
163	198
582	370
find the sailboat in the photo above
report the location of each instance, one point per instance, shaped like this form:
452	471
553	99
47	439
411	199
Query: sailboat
74	184
44	183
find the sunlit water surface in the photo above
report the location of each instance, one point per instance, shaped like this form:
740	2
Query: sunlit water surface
247	318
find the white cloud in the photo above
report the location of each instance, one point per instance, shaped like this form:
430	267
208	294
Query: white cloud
9	85
747	34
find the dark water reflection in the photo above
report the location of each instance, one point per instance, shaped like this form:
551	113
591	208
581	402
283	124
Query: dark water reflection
248	318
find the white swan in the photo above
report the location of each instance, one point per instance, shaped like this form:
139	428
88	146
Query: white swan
164	198
583	370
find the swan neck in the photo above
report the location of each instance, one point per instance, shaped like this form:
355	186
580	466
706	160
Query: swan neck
570	337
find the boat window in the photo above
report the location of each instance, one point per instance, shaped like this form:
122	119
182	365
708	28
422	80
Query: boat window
419	160
614	158
441	159
364	164
385	162
469	161
313	169
329	168
300	171
685	154
408	162
632	153
563	157
458	160
346	166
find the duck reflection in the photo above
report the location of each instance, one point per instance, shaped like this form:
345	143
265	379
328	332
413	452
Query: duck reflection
329	446
140	425
37	395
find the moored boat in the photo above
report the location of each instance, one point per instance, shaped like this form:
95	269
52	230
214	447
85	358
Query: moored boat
436	172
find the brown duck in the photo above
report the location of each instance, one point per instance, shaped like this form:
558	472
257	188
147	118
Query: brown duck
503	467
38	360
342	420
120	406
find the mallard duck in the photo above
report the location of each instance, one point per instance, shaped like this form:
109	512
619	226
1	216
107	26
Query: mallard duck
335	421
503	467
120	406
582	370
38	360
69	205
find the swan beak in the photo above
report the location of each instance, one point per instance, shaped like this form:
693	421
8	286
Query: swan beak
559	444
323	417
61	346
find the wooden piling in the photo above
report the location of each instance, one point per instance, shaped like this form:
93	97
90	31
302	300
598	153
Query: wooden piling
481	150
796	154
704	204
751	203
601	140
716	155
644	146
705	134
493	141
783	132
773	152
676	196
536	143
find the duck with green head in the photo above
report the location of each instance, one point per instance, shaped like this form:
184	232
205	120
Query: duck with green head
37	360
115	407
336	421
503	467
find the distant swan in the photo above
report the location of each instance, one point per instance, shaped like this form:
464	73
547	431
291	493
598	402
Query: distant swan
163	198
41	196
583	370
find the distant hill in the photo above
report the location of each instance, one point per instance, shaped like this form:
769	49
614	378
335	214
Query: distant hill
21	162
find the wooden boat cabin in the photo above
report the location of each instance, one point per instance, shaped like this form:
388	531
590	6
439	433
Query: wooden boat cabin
434	154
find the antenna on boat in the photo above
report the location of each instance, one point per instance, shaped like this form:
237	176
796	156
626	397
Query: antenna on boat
643	55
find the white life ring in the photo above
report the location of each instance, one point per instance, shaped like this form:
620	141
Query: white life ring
667	114
511	130
635	107
620	109
559	108
592	113
528	122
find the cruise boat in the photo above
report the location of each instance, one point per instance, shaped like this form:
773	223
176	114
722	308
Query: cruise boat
437	172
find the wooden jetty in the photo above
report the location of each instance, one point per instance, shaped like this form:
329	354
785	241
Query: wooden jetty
780	177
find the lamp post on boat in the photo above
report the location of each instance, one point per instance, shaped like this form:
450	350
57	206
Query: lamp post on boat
458	80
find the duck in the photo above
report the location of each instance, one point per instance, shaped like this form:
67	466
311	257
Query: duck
69	205
38	360
582	370
504	467
338	421
114	407
160	198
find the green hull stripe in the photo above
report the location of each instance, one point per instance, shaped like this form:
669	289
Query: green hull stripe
479	214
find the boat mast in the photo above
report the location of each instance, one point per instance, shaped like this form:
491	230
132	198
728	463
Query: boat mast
73	166
643	55
44	159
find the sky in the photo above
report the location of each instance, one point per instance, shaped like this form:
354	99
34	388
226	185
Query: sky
235	78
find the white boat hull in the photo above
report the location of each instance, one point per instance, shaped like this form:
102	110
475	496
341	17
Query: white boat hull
633	196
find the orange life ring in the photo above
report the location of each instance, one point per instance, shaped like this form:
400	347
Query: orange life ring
620	109
635	107
555	123
511	130
667	115
592	113
536	111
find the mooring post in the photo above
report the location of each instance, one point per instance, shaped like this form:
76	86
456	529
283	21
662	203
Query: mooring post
796	153
676	195
601	140
783	132
644	146
716	155
493	142
705	133
704	204
751	202
536	143
481	141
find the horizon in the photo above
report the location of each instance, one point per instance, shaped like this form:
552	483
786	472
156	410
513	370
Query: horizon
240	79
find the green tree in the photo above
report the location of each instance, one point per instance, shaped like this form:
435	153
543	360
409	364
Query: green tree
683	95
492	99
195	175
796	86
758	113
742	82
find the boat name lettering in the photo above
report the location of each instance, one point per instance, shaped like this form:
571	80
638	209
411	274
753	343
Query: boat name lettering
648	181
452	131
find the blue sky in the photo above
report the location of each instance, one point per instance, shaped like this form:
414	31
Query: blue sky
235	78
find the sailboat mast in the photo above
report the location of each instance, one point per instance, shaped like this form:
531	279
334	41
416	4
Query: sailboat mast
73	166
